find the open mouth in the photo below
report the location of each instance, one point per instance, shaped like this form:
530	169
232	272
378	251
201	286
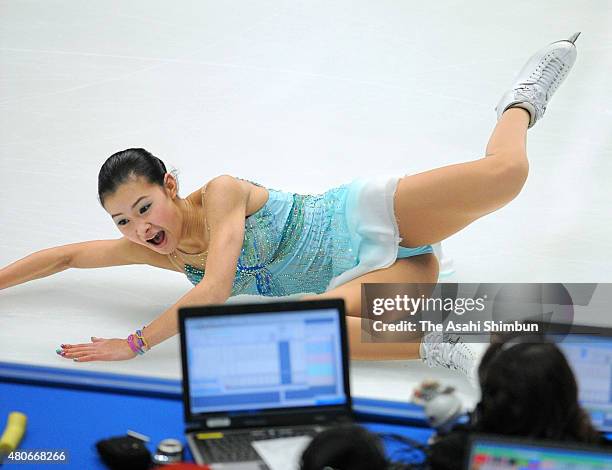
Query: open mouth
158	239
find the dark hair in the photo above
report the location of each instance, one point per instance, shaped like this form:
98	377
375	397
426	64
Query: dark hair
529	390
127	164
348	447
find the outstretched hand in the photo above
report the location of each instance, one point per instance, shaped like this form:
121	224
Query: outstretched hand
99	349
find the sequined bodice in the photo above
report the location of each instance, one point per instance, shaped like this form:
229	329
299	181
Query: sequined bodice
288	245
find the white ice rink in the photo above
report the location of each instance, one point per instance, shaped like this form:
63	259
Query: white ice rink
295	95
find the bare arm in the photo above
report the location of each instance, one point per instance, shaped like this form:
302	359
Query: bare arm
226	210
92	254
40	264
226	206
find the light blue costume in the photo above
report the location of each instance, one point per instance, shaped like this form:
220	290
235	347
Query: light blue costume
312	243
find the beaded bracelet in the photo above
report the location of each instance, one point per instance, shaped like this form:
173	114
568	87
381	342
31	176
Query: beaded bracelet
142	340
138	343
134	348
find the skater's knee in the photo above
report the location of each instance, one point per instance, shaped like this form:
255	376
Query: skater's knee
514	174
508	174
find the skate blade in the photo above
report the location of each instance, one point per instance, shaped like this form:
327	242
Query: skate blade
574	37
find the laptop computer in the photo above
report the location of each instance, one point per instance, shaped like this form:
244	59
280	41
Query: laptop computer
588	349
502	453
253	372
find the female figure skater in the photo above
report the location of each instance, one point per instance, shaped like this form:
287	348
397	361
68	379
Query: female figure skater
253	240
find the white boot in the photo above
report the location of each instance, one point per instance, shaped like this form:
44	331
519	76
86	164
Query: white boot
450	351
539	78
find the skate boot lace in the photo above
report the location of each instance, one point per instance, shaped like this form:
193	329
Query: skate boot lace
452	353
543	81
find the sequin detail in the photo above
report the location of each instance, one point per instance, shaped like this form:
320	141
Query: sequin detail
294	255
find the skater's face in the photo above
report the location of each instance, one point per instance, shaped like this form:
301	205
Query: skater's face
147	213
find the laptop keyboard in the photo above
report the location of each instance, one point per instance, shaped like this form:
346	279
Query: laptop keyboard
236	446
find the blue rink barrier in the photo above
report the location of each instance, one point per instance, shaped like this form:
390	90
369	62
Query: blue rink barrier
365	408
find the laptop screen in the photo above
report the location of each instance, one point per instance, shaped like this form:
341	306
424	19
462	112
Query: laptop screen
591	360
501	454
588	350
248	362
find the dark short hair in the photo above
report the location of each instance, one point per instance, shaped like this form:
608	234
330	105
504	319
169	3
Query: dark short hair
529	390
128	164
347	447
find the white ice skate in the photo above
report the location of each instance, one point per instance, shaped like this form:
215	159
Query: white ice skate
451	352
539	78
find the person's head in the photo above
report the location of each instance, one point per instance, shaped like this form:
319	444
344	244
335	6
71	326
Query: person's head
348	447
138	192
528	389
